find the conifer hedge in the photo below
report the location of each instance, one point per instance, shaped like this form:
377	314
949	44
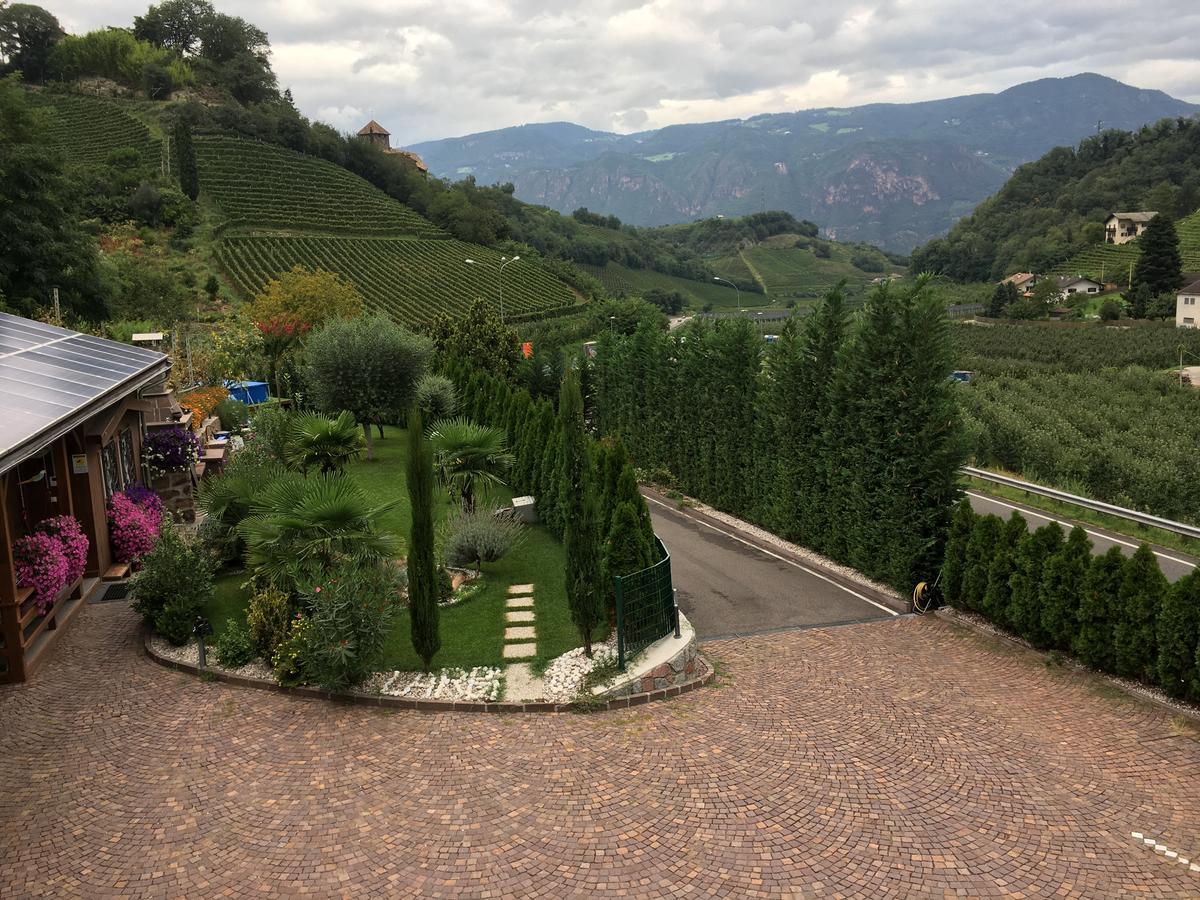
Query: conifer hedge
843	435
1113	613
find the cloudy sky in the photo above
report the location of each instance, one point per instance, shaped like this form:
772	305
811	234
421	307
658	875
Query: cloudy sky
439	69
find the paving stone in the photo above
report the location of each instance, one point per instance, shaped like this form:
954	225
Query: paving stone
519	651
519	602
520	588
519	615
520	633
891	759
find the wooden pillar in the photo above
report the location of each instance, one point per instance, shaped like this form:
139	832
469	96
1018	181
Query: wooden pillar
10	626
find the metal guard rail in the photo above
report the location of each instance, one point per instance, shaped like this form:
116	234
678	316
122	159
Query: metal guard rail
1087	503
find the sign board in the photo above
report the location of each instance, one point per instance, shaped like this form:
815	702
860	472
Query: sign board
79	463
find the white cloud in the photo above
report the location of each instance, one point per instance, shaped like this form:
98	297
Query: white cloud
435	68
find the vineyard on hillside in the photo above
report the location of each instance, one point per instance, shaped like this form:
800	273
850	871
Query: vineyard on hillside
618	280
1113	262
410	280
89	129
1125	436
792	272
1034	347
264	186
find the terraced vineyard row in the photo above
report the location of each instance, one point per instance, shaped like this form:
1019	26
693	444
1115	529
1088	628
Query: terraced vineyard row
88	129
1110	262
263	186
621	280
409	279
798	273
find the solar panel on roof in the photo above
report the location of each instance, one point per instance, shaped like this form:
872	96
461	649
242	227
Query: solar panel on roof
48	374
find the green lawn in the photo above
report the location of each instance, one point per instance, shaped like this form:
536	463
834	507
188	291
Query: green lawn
473	632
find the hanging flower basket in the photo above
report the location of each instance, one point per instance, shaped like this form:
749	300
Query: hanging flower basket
51	559
170	450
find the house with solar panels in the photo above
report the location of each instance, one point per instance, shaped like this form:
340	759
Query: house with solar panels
73	412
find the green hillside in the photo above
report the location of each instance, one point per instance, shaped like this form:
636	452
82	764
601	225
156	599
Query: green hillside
411	280
88	129
788	270
619	280
1113	262
265	186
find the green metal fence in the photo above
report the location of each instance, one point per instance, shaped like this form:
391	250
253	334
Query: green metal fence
646	608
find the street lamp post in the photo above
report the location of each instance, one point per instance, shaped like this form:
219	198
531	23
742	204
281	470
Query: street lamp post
504	261
735	287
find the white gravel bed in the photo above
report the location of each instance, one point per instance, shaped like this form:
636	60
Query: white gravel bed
1128	685
189	653
479	683
563	678
802	552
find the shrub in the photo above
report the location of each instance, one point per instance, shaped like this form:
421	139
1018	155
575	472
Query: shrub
1134	637
1032	552
482	536
436	397
289	658
271	430
174	584
1110	310
1062	585
234	414
269	618
1093	642
985	538
954	567
445	584
998	595
351	615
202	402
132	526
1179	638
234	647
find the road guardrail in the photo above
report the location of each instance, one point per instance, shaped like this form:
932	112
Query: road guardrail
1086	502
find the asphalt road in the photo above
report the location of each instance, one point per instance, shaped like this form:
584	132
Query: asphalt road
726	585
1174	564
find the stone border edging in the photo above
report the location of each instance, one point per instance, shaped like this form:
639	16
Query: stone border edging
951	615
705	676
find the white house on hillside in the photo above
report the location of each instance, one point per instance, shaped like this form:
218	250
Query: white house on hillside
1123	227
1077	284
1187	306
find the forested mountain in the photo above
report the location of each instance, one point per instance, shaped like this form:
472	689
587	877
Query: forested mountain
1054	208
890	174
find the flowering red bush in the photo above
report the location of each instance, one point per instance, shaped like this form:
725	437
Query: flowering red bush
133	528
42	565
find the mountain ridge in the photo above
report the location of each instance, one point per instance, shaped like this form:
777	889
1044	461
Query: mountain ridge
894	174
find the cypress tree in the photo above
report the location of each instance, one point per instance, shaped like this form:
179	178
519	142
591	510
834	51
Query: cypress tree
625	551
1062	587
981	548
1025	611
1093	642
1135	637
1179	638
627	491
585	594
998	595
1159	267
185	152
422	580
549	487
954	567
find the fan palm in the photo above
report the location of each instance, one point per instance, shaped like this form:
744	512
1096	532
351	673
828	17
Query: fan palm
226	499
301	527
331	444
468	456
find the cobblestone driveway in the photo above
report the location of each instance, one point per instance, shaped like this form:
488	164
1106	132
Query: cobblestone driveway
895	758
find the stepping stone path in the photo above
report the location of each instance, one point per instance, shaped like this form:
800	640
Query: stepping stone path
520	633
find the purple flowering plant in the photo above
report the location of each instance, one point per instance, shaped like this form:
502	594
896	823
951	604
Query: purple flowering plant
171	449
51	558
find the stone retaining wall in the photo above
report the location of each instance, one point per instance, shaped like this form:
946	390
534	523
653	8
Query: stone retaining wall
175	491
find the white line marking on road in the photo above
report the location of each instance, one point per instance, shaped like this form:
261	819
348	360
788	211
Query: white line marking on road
1104	537
783	559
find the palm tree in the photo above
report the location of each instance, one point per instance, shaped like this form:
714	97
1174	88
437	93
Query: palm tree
227	499
316	440
467	455
301	527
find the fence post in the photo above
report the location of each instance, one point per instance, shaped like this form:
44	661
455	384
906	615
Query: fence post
620	624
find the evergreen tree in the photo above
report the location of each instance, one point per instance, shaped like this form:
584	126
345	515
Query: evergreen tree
1159	267
1093	642
549	494
1025	613
1179	638
628	492
422	576
585	594
1062	586
981	548
1139	300
1005	293
185	153
955	564
998	595
1134	637
625	551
